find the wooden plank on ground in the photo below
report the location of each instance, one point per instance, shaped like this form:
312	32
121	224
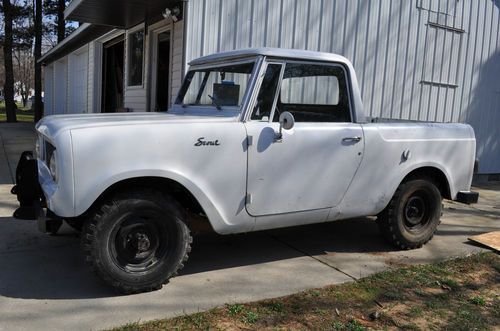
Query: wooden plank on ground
490	239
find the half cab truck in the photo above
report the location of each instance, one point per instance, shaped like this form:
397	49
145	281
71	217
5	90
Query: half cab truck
257	139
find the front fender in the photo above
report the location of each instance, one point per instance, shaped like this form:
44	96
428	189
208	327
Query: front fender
88	198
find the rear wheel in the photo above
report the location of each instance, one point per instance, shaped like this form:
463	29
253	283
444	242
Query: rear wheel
137	241
413	214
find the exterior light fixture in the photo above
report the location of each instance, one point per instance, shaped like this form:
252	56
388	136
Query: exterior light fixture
173	13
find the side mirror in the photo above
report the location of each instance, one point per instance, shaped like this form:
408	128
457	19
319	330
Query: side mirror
287	121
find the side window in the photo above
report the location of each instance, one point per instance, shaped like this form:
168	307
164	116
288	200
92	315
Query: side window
265	99
135	57
315	93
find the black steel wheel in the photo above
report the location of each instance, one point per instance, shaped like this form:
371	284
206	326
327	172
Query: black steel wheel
137	241
413	214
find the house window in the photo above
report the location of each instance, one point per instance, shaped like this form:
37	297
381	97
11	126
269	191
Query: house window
135	57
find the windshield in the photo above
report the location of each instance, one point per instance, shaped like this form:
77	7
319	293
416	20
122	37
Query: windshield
220	87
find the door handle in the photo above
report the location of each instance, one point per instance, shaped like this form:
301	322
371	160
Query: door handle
352	139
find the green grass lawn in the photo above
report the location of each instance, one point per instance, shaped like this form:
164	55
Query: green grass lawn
22	114
460	294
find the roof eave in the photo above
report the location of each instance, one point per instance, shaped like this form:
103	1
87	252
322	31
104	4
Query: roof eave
78	38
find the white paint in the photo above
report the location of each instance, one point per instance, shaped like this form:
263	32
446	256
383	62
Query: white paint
309	177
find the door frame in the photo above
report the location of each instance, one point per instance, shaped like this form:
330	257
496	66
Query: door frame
98	64
248	111
106	46
153	32
275	217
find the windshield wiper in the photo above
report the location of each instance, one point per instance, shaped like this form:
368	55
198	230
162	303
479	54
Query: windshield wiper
214	101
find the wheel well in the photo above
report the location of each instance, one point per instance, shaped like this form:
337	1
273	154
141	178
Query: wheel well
177	190
436	175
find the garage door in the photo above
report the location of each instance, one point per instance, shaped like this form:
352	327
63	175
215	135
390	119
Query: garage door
78	83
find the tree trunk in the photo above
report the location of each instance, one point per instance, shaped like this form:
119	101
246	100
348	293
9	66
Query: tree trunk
61	24
9	69
37	55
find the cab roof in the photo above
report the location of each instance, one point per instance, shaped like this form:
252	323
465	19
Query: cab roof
271	52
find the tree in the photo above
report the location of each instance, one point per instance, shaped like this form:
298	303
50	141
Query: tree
23	73
56	25
38	54
2	71
61	24
22	25
9	69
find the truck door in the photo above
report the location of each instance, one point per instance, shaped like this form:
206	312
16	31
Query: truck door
313	164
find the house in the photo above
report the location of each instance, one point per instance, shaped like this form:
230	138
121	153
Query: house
422	60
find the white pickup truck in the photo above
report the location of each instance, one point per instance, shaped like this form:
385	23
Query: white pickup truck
256	139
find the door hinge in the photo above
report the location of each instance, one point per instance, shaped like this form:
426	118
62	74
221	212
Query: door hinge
249	140
249	199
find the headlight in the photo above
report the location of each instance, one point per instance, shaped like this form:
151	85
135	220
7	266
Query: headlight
53	166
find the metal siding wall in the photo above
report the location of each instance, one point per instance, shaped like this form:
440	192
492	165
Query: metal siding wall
444	71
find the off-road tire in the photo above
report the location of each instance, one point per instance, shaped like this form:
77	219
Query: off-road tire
394	222
103	236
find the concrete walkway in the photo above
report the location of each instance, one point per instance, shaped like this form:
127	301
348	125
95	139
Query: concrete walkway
45	285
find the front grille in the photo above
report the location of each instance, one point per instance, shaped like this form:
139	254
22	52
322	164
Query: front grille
48	150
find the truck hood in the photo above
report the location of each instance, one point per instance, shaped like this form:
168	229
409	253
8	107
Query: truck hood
52	126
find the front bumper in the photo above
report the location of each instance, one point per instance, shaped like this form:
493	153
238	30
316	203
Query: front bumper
29	193
27	188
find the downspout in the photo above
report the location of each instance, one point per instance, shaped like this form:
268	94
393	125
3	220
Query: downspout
185	34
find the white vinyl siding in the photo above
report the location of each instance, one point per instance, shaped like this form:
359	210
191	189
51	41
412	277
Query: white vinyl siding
91	76
48	98
78	82
61	86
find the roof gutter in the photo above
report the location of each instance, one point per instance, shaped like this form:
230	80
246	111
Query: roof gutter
84	34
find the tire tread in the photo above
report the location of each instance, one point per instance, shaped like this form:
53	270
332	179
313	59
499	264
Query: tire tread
89	243
387	222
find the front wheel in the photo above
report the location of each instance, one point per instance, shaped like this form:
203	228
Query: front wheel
137	241
413	214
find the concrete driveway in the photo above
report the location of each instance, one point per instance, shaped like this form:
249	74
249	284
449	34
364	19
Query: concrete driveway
45	285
